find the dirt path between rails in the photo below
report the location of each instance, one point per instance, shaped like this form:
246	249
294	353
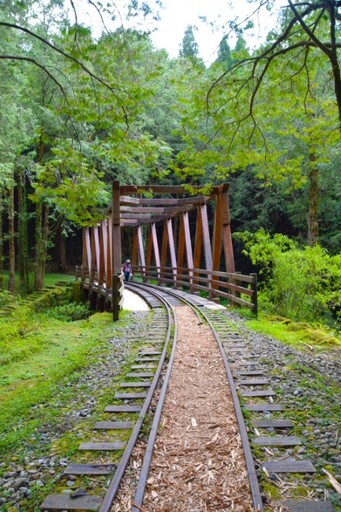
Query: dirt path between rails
198	462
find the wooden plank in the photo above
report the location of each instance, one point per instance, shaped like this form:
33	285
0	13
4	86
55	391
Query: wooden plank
188	244
129	200
264	407
253	382
139	216
143	367
97	252
262	392
164	248
90	469
307	506
206	238
93	256
226	234
151	352
134	252
149	249
244	363
248	373
181	251
116	445
104	251
130	396
272	424
122	408
277	441
172	247
141	250
109	255
112	425
142	209
289	466
147	359
217	234
116	228
236	350
183	201
141	384
140	375
197	244
156	249
56	502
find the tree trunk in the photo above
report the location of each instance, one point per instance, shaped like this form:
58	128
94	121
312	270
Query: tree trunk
39	247
62	253
45	237
11	241
1	245
313	204
22	234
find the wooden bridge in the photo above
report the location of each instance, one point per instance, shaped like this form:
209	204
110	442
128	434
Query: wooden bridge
172	242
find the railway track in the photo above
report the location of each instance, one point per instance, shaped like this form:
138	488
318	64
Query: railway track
150	372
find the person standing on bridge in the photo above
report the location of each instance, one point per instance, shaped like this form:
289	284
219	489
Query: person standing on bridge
127	270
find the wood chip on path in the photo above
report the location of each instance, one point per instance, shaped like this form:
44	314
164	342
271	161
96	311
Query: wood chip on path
198	463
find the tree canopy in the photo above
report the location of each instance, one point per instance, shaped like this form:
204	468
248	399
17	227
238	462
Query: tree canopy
79	111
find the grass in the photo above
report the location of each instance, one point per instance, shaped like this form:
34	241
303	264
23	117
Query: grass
299	335
49	280
37	363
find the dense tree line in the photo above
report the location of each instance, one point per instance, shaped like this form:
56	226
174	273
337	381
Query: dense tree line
78	112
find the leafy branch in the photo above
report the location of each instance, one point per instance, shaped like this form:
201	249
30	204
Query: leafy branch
69	57
283	45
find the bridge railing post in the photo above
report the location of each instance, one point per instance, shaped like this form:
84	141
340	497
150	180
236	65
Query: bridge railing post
254	297
117	295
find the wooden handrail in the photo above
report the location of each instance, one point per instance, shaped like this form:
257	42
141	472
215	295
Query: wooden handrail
193	278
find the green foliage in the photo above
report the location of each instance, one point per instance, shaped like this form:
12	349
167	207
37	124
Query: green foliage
69	312
6	298
297	334
19	336
300	283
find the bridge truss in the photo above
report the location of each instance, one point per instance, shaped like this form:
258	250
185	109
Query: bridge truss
173	240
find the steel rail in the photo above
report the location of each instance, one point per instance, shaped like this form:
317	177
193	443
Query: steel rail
251	470
140	490
114	485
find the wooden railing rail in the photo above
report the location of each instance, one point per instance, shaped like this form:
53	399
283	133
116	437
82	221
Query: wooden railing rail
237	288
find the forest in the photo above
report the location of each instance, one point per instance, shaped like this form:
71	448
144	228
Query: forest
78	111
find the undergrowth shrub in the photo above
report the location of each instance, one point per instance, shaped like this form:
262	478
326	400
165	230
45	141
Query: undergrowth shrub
6	298
69	312
298	283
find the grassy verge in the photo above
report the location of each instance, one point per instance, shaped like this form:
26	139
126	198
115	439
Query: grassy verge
36	362
299	335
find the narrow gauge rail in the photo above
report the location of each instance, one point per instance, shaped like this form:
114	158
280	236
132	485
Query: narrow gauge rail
246	375
150	364
249	374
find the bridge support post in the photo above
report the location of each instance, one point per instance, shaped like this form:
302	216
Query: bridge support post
116	229
254	297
